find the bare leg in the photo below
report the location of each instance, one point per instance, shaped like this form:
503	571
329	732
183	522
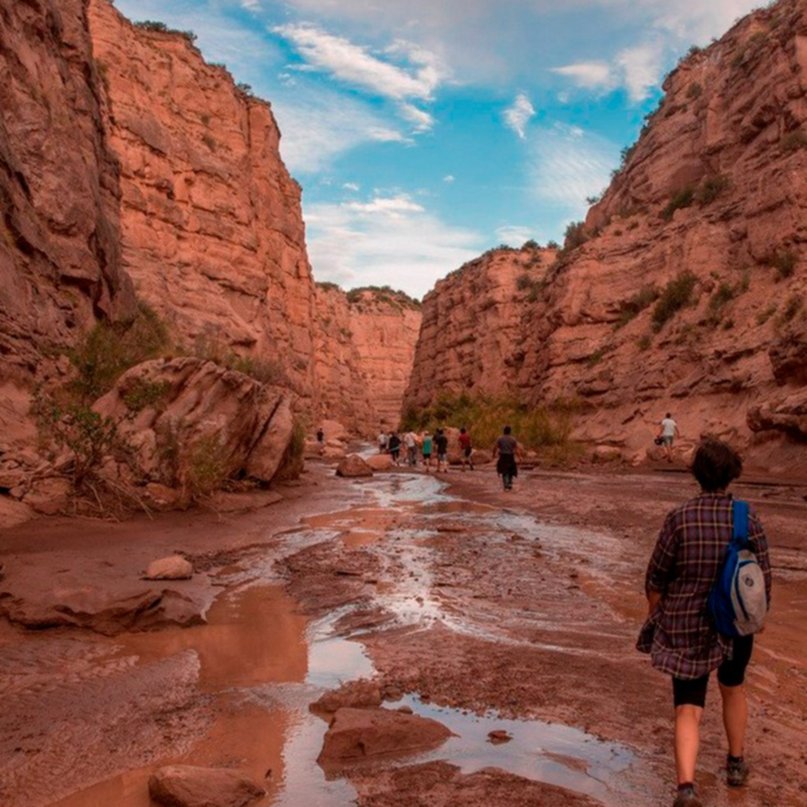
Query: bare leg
687	725
735	717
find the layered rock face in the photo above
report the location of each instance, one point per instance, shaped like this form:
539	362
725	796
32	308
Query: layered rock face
211	226
685	288
364	349
59	251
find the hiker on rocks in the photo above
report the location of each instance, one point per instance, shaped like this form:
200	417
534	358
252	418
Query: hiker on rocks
506	448
320	435
394	445
668	431
383	441
465	446
679	632
411	444
441	443
427	451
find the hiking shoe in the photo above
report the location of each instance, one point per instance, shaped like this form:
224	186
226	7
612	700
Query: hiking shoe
687	798
737	772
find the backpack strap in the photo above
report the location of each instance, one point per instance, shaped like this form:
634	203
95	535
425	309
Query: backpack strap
740	521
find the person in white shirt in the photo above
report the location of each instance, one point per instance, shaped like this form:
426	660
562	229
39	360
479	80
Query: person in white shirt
411	443
669	431
383	440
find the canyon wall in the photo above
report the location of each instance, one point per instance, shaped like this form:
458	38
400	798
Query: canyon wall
59	240
684	290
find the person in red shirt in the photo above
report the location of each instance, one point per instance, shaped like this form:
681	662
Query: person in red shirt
465	445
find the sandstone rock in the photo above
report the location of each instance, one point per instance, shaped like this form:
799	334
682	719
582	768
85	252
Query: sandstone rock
48	496
333	453
13	512
208	420
162	497
361	694
313	449
360	734
379	462
192	786
785	414
606	454
481	457
498	736
353	466
174	567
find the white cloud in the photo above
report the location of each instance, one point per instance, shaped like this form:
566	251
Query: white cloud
422	121
590	75
641	69
387	240
567	166
518	115
513	235
350	186
251	5
448	179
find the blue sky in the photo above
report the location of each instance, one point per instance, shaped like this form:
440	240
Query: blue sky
424	132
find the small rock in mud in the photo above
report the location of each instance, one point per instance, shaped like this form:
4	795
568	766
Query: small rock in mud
191	786
174	567
358	734
361	694
498	736
353	466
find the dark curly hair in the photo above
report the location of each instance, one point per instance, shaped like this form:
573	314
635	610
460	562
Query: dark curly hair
716	464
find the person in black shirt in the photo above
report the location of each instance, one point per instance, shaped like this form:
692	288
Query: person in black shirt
506	449
441	444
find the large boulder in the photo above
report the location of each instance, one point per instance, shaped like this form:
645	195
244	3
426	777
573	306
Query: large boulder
192	424
353	466
174	567
358	734
379	462
787	414
192	786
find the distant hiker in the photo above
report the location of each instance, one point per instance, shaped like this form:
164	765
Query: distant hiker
465	445
394	445
506	449
679	633
668	431
441	443
411	443
427	451
383	441
320	435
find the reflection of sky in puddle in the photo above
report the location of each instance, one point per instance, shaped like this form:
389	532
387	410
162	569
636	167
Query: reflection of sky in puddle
332	660
407	488
545	752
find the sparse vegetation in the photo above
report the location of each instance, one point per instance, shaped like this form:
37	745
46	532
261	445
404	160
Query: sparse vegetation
142	393
207	467
384	294
107	351
792	307
675	296
326	285
645	342
162	28
631	308
552	245
793	141
694	90
265	371
764	316
209	141
711	188
784	261
530	244
523	282
547	428
596	357
680	199
575	235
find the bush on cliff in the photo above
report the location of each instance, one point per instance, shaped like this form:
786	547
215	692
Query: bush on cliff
676	295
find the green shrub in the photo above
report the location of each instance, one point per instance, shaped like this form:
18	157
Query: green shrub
676	294
266	371
523	282
631	308
645	342
793	141
552	245
680	199
575	235
792	307
107	351
530	244
724	294
694	90
142	393
784	261
711	188
207	467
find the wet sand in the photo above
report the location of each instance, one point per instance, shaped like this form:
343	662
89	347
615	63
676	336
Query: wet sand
481	609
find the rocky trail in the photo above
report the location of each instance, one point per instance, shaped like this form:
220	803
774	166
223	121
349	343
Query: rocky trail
468	647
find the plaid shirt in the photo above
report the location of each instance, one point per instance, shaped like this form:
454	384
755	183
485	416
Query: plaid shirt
689	552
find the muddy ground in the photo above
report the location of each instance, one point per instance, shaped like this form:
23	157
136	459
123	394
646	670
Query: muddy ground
482	609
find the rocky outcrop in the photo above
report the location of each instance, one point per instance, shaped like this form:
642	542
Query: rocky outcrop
191	424
194	786
684	289
211	227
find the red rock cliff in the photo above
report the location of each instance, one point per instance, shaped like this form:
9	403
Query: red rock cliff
685	288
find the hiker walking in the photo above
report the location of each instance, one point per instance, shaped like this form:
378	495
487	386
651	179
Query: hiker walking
427	451
465	446
394	445
411	444
506	448
668	431
320	435
383	441
679	633
441	443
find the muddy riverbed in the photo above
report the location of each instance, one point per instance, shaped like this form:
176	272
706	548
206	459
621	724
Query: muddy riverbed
486	611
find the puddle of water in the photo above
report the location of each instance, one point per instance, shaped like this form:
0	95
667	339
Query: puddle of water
252	637
544	752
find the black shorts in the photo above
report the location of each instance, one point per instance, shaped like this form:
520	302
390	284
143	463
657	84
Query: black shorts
731	673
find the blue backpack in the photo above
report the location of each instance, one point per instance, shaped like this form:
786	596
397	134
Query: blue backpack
738	602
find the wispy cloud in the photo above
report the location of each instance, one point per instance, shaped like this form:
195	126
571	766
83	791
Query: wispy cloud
518	115
415	80
388	237
449	178
513	235
587	74
567	165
